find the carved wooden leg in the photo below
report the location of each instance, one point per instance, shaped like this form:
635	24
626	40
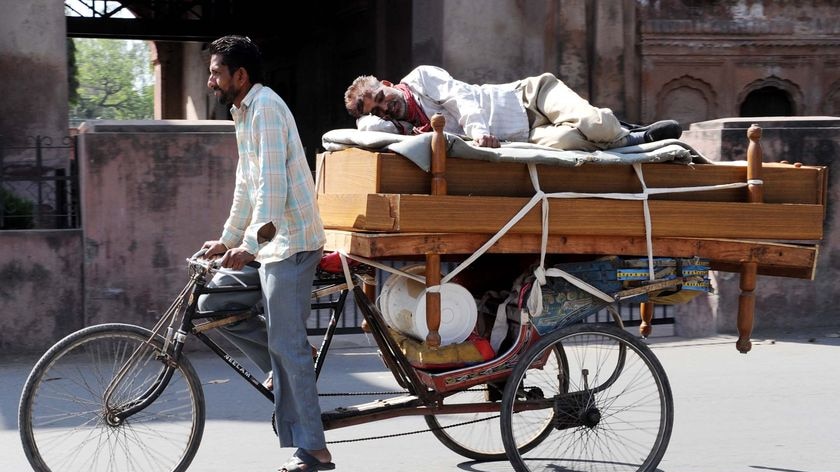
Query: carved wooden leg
370	291
749	269
746	306
433	300
646	313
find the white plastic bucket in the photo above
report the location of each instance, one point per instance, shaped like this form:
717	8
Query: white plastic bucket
398	298
402	302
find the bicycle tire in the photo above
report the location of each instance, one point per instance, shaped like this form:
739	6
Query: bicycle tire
62	414
617	413
480	441
478	436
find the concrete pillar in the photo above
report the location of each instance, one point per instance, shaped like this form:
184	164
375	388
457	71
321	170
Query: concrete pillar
168	59
607	57
33	70
572	46
199	103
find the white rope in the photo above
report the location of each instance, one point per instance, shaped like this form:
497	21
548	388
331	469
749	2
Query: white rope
384	267
534	302
319	173
524	211
535	181
346	268
230	273
648	226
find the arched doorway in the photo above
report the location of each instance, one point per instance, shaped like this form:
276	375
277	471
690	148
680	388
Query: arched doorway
767	101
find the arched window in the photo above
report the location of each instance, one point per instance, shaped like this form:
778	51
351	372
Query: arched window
767	101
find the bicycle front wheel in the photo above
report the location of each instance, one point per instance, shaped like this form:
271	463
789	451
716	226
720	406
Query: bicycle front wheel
66	425
611	410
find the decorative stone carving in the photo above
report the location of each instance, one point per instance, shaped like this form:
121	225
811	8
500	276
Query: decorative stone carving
686	99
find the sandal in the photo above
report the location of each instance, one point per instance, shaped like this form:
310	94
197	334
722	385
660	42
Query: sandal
303	461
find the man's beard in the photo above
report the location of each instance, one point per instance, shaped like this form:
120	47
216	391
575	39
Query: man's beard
226	97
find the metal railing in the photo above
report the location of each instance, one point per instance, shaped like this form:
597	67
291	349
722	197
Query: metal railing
39	184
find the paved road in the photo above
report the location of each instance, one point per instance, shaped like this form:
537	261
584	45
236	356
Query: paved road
775	409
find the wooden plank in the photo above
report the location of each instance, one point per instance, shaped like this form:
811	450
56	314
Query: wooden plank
455	214
777	259
352	167
374	212
358	171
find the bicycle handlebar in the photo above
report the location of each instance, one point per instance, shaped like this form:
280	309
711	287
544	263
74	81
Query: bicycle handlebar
198	259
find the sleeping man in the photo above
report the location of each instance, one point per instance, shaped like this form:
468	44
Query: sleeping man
540	110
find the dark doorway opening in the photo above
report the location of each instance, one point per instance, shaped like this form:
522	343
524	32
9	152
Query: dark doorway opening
767	101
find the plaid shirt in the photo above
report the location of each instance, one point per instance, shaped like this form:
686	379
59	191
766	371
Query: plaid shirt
273	181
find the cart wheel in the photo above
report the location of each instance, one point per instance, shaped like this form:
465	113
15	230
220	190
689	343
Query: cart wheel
478	436
611	409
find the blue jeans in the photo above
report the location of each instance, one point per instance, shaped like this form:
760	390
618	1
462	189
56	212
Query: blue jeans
280	344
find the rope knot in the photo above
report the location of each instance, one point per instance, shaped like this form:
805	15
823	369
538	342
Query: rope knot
539	274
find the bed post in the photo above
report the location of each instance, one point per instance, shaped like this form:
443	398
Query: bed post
438	170
749	267
646	315
438	165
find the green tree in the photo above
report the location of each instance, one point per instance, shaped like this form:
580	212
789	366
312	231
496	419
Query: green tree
115	80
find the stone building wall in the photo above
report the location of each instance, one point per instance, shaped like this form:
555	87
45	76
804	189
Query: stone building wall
646	59
701	60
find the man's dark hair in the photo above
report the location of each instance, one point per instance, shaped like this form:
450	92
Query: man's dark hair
239	51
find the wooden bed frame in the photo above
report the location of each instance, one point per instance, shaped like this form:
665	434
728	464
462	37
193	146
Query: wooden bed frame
367	213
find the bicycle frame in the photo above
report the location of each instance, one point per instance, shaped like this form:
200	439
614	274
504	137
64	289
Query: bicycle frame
175	338
425	391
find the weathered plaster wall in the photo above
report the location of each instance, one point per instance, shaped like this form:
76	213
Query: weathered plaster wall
40	288
152	193
493	40
33	69
782	302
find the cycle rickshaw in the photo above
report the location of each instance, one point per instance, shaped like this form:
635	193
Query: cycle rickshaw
557	394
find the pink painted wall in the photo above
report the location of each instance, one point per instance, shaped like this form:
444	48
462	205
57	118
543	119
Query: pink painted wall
152	193
40	288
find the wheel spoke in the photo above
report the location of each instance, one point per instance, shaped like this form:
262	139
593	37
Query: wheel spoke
65	425
616	414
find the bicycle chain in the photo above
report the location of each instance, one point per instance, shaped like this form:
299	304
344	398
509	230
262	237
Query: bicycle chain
409	433
360	394
396	435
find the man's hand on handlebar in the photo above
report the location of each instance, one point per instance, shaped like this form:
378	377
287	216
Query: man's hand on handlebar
236	258
213	249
